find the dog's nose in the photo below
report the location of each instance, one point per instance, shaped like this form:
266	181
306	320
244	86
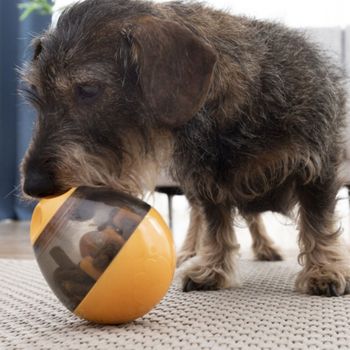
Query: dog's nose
39	184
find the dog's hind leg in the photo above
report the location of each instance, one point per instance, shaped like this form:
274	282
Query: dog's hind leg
263	247
215	264
325	258
189	247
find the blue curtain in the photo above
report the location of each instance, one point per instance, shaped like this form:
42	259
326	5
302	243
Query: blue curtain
16	118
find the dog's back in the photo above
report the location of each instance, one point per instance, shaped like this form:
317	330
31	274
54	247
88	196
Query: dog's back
274	113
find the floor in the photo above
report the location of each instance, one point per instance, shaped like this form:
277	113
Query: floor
14	236
14	240
264	313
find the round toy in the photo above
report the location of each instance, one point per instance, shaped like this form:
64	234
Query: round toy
108	257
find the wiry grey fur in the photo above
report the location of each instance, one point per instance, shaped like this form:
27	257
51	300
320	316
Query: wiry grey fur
248	115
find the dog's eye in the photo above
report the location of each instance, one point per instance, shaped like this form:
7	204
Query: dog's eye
87	92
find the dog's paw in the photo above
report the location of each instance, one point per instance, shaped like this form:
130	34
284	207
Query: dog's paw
189	285
201	277
328	287
323	281
183	256
268	253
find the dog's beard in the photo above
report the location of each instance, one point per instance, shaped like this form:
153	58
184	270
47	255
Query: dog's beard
136	173
76	167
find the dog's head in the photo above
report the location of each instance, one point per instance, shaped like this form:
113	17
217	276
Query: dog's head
106	82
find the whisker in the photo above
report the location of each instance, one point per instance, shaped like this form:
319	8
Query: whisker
12	191
30	95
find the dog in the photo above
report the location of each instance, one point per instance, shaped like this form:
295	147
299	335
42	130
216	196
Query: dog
247	115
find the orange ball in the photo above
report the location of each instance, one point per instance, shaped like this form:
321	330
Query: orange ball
108	257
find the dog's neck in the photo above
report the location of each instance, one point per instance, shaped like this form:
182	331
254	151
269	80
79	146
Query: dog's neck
147	166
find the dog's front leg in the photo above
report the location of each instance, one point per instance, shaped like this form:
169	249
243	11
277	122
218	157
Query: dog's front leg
325	258
215	265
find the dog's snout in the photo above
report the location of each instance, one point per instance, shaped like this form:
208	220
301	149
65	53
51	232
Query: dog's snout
39	184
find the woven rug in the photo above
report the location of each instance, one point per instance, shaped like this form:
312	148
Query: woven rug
264	313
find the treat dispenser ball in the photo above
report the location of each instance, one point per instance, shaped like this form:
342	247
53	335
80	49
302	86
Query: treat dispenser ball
107	256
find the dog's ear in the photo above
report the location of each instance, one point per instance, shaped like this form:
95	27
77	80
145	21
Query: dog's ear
37	48
174	66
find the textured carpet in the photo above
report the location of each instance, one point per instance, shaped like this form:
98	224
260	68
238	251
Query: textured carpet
264	314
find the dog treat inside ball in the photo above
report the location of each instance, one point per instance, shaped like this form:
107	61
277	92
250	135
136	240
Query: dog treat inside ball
107	256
